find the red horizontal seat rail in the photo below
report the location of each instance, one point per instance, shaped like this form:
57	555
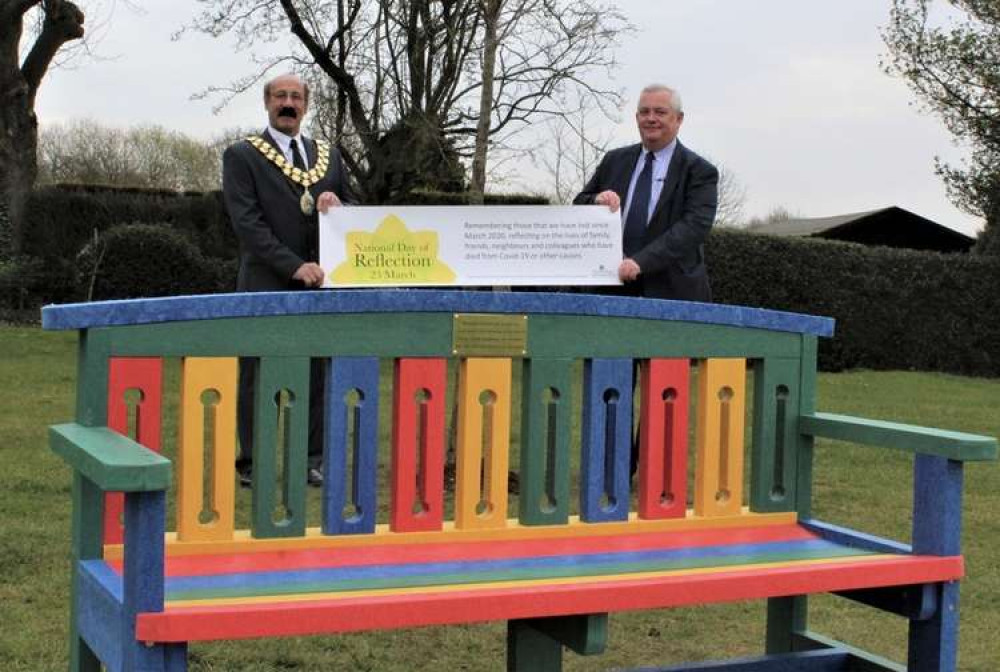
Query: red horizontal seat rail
441	607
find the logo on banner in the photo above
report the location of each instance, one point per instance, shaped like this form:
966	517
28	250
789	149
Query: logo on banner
392	254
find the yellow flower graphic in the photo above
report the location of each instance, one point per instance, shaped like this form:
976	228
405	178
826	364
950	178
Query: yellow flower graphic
392	255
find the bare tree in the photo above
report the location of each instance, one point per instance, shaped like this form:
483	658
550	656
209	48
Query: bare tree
490	12
571	151
398	84
777	214
86	152
732	199
22	68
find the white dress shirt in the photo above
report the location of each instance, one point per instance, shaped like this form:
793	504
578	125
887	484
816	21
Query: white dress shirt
285	145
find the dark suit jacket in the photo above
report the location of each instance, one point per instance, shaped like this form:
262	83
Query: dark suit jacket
263	208
672	258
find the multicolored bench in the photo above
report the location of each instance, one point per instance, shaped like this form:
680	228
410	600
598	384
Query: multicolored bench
389	557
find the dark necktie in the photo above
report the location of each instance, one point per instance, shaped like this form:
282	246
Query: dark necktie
638	211
297	156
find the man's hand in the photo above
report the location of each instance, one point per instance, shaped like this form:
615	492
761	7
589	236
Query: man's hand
628	270
608	198
327	200
310	274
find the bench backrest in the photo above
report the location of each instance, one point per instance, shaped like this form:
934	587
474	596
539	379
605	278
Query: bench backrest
551	338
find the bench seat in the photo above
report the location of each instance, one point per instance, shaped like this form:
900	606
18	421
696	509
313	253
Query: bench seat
310	591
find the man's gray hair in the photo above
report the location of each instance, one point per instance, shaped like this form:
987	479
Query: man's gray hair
267	85
675	96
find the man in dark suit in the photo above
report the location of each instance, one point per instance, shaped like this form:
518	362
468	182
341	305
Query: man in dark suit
668	195
272	186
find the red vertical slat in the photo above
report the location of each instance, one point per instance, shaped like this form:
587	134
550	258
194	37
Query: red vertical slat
663	438
418	470
132	373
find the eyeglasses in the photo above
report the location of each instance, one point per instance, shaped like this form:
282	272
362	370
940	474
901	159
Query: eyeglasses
289	95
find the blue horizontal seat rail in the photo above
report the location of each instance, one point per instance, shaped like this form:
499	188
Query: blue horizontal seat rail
267	304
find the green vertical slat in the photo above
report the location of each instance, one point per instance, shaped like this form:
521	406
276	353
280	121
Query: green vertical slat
545	434
774	479
87	544
93	350
807	406
789	615
275	375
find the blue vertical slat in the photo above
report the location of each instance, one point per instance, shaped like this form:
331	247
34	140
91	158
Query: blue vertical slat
607	439
345	375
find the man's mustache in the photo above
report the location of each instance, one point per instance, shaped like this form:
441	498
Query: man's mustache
288	112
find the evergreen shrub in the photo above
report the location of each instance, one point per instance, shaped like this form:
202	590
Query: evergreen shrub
144	260
895	309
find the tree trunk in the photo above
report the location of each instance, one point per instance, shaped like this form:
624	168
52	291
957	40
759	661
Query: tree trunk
19	82
491	16
18	167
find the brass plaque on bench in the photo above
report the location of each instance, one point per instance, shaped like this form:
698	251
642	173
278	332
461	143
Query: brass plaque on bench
476	335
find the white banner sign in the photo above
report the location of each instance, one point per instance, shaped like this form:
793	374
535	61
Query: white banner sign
466	245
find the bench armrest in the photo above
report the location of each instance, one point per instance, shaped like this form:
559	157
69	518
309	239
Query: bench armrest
911	438
113	462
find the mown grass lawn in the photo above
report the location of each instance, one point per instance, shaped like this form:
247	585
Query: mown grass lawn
862	487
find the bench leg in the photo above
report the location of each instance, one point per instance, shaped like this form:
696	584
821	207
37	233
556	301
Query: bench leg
786	616
535	645
156	658
934	642
88	543
937	530
81	658
175	656
529	650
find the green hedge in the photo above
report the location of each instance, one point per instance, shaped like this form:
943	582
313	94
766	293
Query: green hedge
140	260
62	218
184	240
29	282
895	309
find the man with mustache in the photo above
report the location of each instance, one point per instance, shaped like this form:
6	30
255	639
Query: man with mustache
273	184
676	192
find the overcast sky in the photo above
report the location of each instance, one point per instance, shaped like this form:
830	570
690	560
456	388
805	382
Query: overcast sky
786	94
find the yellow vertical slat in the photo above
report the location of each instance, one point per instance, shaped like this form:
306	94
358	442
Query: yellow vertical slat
482	423
721	413
216	375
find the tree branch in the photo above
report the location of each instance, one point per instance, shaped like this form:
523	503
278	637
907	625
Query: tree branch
343	79
63	22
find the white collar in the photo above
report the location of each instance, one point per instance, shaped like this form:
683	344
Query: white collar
285	141
661	154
